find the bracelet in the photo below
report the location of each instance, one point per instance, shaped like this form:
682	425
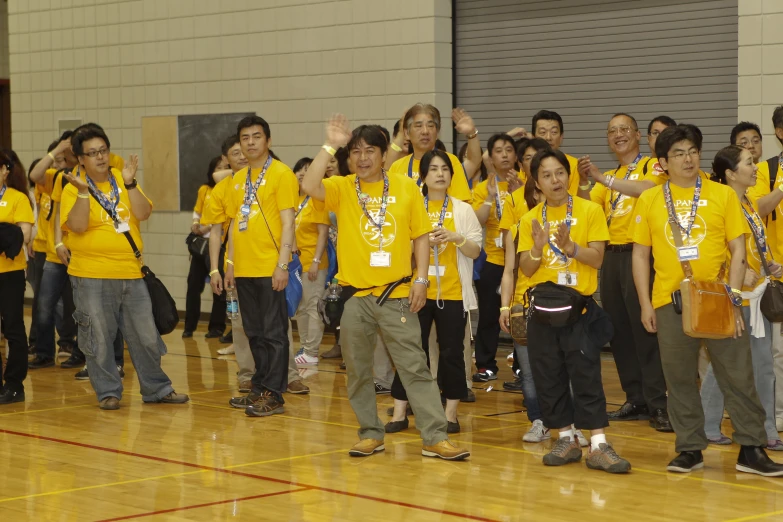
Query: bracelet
422	281
396	147
584	187
329	149
58	245
289	245
230	262
464	240
51	156
505	308
316	261
610	182
215	271
735	291
488	203
82	196
576	249
534	258
471	136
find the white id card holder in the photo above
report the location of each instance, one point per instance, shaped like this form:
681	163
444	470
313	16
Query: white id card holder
566	278
243	224
122	227
380	259
499	241
690	253
437	270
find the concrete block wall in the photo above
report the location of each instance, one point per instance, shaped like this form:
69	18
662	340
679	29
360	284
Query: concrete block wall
4	53
294	62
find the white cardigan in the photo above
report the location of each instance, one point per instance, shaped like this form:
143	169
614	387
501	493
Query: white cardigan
467	224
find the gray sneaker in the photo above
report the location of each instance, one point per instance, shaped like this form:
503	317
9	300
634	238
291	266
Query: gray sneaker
606	459
565	450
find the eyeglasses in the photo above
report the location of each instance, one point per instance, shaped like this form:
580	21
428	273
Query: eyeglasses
679	156
96	153
622	129
654	133
745	143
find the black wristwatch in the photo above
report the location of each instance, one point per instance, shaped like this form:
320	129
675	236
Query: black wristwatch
132	185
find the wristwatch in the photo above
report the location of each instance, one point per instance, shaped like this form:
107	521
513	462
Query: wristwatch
131	185
283	266
736	297
422	281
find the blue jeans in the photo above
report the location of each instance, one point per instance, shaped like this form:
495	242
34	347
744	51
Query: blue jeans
763	375
104	306
54	285
528	386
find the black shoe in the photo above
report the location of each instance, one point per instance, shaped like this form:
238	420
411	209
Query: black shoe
40	362
395	426
187	334
629	412
121	371
342	365
82	375
515	385
228	338
485	376
753	459
408	411
72	362
470	397
213	334
380	390
686	462
10	396
31	349
660	421
452	427
64	349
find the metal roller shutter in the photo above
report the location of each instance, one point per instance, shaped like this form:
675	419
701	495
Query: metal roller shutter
589	59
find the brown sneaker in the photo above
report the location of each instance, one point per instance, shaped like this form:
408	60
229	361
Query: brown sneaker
245	386
246	400
565	450
335	353
366	447
606	459
270	405
445	450
298	387
110	403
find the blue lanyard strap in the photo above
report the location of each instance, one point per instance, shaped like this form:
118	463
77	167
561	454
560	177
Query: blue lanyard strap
363	198
108	203
2	192
631	168
569	211
667	194
756	226
410	171
442	210
252	190
438	301
498	208
302	205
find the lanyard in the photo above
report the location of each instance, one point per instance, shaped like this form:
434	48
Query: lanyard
498	208
442	210
438	301
250	191
631	168
569	211
2	192
667	194
108	203
756	226
410	171
302	205
363	198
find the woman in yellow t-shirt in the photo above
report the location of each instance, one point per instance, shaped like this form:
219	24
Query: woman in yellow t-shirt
454	244
200	267
16	225
734	166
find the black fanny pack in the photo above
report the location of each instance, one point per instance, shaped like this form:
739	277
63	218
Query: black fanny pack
556	305
333	310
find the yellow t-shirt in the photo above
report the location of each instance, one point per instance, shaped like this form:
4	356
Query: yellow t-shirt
57	194
657	175
514	208
622	214
204	194
15	207
307	220
587	225
100	252
255	250
214	207
43	197
406	219
450	285
493	242
459	182
718	220
573	177
523	282
774	223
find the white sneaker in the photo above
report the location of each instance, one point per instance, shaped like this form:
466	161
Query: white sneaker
583	441
306	360
228	350
779	424
537	433
510	357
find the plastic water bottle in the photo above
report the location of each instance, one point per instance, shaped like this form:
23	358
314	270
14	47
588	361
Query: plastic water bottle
232	305
334	291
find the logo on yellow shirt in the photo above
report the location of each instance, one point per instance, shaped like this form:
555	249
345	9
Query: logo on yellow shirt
123	212
370	232
698	230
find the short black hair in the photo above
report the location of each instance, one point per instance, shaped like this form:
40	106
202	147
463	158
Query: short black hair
253	121
302	163
213	163
228	143
547	115
676	134
385	132
396	129
499	137
87	132
369	134
635	124
342	161
742	127
66	134
424	166
669	122
30	170
538	144
521	146
440	145
548	153
727	158
53	145
777	119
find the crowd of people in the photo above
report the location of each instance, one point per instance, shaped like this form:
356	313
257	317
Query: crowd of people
425	238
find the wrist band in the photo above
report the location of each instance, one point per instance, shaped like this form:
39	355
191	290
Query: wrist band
471	136
51	156
329	149
396	147
215	271
780	187
610	182
58	245
316	261
735	291
585	187
464	240
576	249
230	262
488	203
505	308
82	196
534	258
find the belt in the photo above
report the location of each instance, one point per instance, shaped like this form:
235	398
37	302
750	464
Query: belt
628	247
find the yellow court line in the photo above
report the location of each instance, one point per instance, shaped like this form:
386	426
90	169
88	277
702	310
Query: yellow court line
756	517
45	409
328	396
713	447
210	391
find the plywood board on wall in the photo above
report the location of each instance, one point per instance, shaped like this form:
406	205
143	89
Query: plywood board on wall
160	153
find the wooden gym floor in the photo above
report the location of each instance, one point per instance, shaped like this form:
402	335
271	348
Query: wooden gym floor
64	459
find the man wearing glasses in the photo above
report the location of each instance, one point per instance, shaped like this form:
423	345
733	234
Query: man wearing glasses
748	136
635	350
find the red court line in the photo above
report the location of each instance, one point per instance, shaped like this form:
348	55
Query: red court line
196	506
248	475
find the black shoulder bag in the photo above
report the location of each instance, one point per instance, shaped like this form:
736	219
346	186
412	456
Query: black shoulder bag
772	298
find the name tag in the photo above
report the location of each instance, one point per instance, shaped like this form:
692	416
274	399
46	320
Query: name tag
243	224
437	270
567	278
122	227
380	259
688	253
499	241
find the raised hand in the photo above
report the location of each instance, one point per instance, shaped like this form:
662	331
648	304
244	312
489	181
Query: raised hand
513	181
563	239
540	235
338	132
462	121
492	187
588	170
131	166
79	183
519	132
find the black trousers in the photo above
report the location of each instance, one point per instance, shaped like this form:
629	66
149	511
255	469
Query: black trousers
37	261
199	270
488	330
559	356
450	327
12	286
635	350
265	319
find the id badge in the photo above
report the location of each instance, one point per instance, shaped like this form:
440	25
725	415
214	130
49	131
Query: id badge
499	241
380	259
566	278
437	270
243	224
690	253
122	227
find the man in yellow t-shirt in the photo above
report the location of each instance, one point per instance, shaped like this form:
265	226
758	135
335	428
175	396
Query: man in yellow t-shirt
561	242
711	224
382	223
101	212
548	125
635	350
